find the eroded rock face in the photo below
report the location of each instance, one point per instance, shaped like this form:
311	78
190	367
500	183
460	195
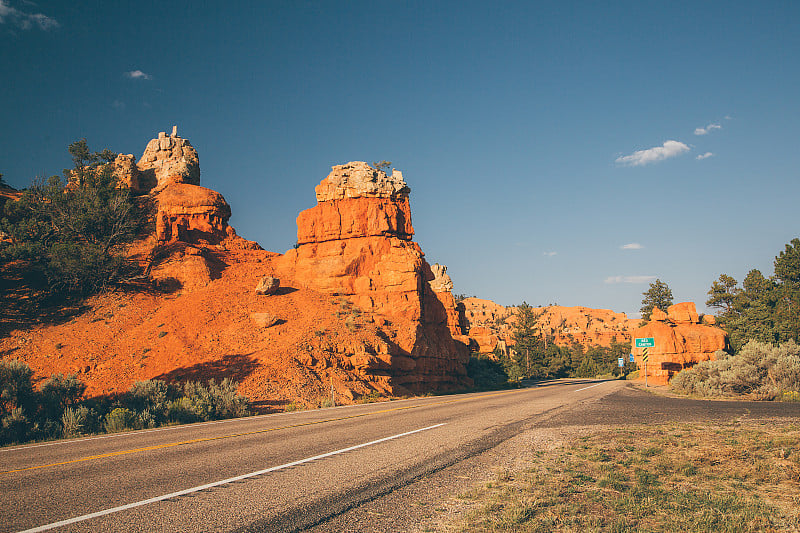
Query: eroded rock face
681	341
356	242
191	214
357	179
356	200
564	325
168	159
126	171
441	280
442	287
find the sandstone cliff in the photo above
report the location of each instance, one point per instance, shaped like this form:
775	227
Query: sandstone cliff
489	323
681	341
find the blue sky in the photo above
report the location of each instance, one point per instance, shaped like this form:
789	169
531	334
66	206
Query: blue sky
557	152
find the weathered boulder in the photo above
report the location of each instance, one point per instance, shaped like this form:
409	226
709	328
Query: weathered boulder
264	320
681	341
268	285
166	160
191	214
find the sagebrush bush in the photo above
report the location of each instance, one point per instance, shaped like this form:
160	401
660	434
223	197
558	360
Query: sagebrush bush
151	399
58	408
214	401
120	419
75	421
760	370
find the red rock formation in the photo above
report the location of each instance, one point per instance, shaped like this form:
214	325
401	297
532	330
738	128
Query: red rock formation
357	243
564	325
191	214
681	341
484	338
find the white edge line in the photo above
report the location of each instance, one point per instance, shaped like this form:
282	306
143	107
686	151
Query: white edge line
97	514
590	386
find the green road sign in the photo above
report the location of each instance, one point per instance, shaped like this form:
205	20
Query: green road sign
646	342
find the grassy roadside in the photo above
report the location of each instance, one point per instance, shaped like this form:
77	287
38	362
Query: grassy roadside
687	477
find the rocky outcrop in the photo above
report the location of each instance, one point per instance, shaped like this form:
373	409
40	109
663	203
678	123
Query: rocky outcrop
126	172
166	160
584	325
354	201
562	325
356	243
191	214
681	341
483	339
442	287
441	281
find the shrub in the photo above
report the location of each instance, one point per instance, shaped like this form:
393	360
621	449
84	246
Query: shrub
75	421
120	419
59	392
17	401
214	401
152	396
15	427
760	370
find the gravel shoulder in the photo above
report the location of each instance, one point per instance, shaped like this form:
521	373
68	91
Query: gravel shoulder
432	503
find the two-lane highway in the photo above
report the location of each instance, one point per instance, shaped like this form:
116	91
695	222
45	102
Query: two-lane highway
268	473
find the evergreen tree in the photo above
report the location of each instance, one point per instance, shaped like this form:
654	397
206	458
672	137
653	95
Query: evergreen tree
763	309
658	295
70	230
528	355
722	294
787	271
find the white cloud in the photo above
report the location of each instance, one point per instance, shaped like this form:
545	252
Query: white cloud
629	279
651	155
550	254
23	20
632	246
707	129
136	74
705	155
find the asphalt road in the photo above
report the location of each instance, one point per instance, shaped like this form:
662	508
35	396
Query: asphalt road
292	471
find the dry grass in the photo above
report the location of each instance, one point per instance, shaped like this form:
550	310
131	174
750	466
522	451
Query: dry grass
720	478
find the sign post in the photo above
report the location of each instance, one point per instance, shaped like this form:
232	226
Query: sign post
645	342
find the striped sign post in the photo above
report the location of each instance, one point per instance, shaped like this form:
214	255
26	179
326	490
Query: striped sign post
645	343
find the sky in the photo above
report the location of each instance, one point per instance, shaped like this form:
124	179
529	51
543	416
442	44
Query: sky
557	152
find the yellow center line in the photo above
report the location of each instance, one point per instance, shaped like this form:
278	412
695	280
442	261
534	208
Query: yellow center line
233	435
